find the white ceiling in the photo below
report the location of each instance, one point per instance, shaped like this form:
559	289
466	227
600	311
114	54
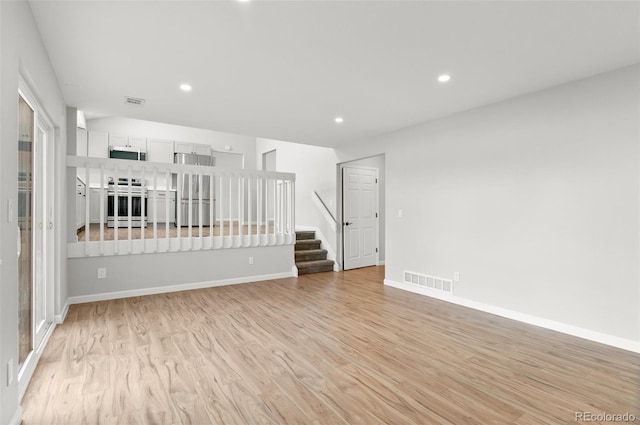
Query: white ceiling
284	70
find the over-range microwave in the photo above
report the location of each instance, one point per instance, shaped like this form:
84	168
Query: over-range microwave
127	153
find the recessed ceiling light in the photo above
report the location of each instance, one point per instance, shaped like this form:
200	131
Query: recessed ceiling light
185	87
444	78
339	120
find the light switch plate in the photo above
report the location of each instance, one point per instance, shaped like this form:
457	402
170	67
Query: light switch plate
9	372
10	211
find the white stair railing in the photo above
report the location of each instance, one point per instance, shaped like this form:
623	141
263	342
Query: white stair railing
242	208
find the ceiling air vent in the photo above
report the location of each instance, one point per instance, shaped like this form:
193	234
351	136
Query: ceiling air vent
134	101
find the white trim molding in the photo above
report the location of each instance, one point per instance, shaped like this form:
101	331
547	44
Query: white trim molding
17	417
26	373
175	288
614	341
59	318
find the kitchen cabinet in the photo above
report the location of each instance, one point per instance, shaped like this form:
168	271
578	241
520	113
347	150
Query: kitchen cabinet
80	204
201	149
98	144
134	142
234	161
97	147
117	140
197	148
94	204
161	206
137	142
160	151
82	139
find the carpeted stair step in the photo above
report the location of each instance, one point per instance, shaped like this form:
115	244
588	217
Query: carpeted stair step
319	266
311	255
305	234
306	244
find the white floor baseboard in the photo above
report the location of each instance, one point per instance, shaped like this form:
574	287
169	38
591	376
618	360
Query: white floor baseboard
59	318
174	288
17	417
614	341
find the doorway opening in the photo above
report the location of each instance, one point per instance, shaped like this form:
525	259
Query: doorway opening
361	197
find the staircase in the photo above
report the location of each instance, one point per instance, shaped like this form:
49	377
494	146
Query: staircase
309	257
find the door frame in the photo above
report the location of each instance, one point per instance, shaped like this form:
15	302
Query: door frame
382	196
340	210
42	120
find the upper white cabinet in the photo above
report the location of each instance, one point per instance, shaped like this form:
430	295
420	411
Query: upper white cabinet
98	144
117	140
94	205
134	142
81	142
201	149
229	160
159	150
185	147
81	211
137	142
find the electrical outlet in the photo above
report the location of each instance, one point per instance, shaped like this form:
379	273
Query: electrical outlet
102	272
456	276
9	372
400	213
251	260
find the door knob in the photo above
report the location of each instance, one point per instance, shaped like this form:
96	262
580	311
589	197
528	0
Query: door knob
347	223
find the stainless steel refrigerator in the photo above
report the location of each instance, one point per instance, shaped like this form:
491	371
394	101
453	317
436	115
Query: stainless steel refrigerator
208	204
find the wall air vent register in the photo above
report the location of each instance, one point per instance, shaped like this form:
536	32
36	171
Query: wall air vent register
430	282
134	101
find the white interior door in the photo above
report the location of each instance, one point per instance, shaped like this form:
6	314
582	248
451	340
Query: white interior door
359	216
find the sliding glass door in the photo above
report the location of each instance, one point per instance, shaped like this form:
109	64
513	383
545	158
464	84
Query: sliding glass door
35	234
26	130
41	318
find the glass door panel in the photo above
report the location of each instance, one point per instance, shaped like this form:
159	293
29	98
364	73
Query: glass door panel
39	184
26	118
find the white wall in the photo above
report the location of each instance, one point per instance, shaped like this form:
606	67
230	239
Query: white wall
535	201
21	51
133	127
150	273
315	170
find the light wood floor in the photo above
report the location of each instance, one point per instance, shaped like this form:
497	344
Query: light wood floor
331	348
